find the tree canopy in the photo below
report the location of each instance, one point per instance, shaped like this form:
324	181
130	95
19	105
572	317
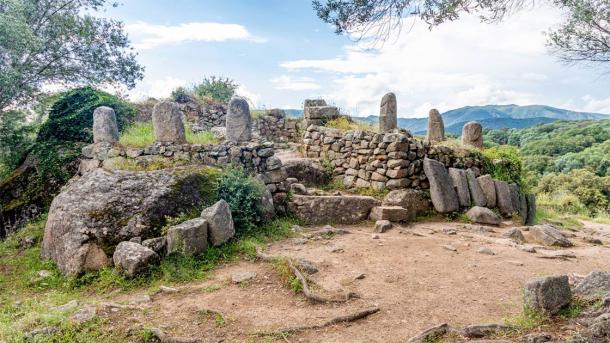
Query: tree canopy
50	42
584	36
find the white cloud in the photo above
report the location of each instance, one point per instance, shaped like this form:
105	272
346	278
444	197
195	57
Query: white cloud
592	104
286	82
456	64
253	98
159	88
148	36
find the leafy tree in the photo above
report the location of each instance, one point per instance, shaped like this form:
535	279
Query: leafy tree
46	42
585	36
217	88
243	193
591	190
17	138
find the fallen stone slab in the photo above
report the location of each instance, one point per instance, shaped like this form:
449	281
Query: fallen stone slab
340	209
414	201
382	226
548	294
391	213
548	235
556	254
484	330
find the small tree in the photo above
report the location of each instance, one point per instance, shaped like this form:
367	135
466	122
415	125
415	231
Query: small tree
218	88
58	42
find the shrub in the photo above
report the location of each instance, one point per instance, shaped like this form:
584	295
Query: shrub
243	193
71	117
346	123
503	163
218	88
16	138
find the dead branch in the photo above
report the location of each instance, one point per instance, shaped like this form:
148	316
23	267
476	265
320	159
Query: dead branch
352	317
306	290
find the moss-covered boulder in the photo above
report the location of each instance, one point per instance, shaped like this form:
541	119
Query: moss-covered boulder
97	211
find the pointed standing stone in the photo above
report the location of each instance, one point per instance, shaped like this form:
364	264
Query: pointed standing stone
460	183
239	120
472	134
387	113
476	193
105	129
167	123
444	197
436	128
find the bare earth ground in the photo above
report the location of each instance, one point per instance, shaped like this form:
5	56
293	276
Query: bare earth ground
416	282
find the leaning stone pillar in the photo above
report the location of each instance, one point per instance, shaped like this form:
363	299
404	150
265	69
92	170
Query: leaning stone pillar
387	113
105	128
167	123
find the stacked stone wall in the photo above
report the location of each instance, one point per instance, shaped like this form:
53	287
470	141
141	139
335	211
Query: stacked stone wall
389	160
277	128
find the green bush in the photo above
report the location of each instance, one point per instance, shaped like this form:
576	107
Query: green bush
71	117
503	162
218	88
243	193
16	138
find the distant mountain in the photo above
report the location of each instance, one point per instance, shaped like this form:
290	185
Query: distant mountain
490	116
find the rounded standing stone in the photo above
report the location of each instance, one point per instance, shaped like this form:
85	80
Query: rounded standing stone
239	120
436	127
167	123
472	134
105	128
387	113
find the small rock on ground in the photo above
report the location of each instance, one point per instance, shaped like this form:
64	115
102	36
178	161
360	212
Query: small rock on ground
486	251
239	277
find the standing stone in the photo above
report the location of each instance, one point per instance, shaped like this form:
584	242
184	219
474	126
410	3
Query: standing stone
489	189
220	222
472	134
436	128
189	238
167	123
531	209
105	128
476	193
442	192
387	114
503	199
461	186
239	120
514	197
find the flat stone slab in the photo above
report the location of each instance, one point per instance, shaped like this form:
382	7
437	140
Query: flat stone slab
391	213
338	209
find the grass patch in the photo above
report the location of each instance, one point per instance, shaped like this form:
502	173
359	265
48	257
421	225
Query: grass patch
27	299
140	135
286	275
346	123
528	319
565	221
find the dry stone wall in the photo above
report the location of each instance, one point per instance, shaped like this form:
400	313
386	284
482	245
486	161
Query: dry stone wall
276	127
390	160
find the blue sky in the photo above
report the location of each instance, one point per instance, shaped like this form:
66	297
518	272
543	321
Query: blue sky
281	53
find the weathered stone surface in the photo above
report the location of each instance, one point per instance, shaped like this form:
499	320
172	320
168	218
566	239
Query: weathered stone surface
548	294
460	183
167	123
314	102
239	120
391	213
483	215
596	285
239	277
503	199
267	206
531	209
442	193
600	329
332	209
189	238
158	245
436	127
414	201
489	189
548	235
105	128
387	114
515	234
431	334
220	222
133	259
484	330
472	134
382	226
102	208
515	197
307	171
476	193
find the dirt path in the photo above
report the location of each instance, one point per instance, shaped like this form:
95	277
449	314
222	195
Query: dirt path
409	272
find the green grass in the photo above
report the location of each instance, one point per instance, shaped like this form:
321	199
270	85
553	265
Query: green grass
552	216
26	300
140	135
528	319
343	123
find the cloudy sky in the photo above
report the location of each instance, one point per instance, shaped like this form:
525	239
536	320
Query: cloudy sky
281	53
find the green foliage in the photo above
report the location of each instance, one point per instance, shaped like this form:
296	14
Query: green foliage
218	88
243	193
346	123
16	138
202	137
595	158
55	42
139	135
528	319
574	191
71	117
503	163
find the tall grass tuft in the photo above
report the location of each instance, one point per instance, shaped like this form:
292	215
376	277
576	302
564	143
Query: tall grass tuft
140	135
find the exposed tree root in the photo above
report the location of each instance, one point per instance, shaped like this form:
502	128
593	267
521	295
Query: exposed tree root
164	338
337	320
307	292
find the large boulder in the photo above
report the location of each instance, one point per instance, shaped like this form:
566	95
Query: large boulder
548	235
97	211
220	223
189	238
489	189
132	258
483	215
444	197
460	183
414	201
332	209
594	286
548	294
476	193
307	171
